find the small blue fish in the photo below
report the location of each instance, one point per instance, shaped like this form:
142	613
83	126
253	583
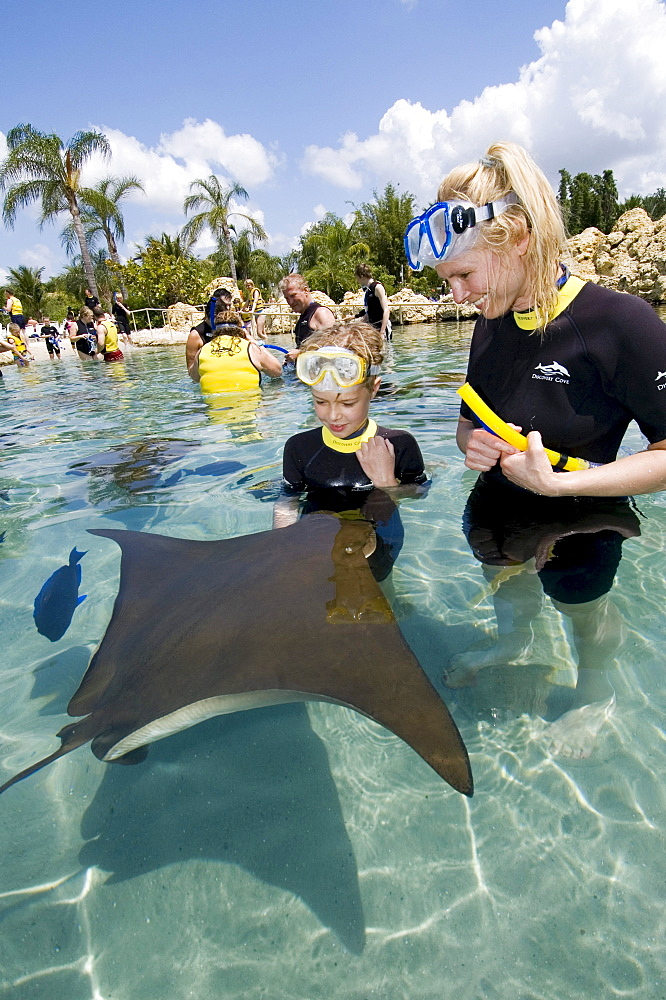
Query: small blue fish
57	600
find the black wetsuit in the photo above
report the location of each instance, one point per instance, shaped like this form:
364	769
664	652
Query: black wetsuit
303	330
373	307
121	318
308	464
50	334
598	365
335	481
89	345
205	330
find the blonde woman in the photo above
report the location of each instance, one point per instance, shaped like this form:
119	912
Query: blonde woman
571	364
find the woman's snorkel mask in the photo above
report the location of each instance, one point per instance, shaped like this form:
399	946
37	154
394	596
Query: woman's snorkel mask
448	230
333	368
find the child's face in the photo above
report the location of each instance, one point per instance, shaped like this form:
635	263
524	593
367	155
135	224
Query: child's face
344	412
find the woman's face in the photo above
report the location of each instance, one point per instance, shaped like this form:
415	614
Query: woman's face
346	411
493	281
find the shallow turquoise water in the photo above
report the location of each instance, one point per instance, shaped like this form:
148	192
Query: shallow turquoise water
298	852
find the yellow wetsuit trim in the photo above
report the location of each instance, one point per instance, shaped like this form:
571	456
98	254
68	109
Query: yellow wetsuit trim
527	320
508	434
347	445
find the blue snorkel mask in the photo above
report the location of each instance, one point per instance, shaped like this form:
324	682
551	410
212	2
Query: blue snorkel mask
448	229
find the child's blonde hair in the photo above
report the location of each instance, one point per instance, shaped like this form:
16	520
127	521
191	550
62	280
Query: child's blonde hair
508	167
354	334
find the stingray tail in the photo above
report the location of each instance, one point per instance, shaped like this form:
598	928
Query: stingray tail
72	744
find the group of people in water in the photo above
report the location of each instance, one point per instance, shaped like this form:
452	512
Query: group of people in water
94	334
565	361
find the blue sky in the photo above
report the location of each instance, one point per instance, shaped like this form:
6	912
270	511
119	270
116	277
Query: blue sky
312	105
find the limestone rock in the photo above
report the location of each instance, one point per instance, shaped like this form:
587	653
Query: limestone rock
223	282
631	258
182	316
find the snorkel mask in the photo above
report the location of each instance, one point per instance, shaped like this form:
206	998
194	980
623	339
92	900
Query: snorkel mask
448	229
333	368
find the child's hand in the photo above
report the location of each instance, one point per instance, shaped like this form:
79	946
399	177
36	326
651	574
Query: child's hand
377	459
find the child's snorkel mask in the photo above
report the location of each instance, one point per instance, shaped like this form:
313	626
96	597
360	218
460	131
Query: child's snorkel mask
448	229
333	368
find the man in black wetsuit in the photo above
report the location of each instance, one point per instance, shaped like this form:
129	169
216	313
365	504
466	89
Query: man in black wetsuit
377	311
312	315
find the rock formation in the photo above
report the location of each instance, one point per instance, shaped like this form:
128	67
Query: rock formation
182	316
631	258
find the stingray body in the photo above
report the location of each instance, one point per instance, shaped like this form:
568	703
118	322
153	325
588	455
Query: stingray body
201	629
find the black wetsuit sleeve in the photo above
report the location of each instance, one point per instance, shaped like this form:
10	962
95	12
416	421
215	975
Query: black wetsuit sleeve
633	364
292	468
409	465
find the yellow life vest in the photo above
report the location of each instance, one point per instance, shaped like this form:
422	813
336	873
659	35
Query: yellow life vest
252	306
15	306
225	366
111	338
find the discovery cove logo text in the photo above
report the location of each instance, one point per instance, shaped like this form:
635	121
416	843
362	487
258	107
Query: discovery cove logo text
660	375
553	373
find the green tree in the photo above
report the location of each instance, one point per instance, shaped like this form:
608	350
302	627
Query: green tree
215	202
329	253
588	200
654	204
156	277
251	262
176	246
101	215
28	285
381	225
40	167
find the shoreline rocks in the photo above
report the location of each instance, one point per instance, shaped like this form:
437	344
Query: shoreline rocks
631	258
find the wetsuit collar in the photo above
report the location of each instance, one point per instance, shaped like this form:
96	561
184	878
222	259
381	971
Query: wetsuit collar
352	444
567	292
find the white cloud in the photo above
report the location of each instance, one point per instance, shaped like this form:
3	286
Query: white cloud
195	150
595	99
41	255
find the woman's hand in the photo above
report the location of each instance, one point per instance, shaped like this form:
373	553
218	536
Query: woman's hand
531	469
377	459
484	450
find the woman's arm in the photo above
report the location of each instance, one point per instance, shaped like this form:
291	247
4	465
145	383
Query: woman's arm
644	472
193	367
264	360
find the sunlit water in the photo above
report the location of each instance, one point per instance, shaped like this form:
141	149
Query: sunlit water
304	852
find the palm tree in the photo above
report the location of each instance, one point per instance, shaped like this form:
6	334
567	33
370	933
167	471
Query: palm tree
27	283
177	246
251	262
330	251
215	201
101	215
41	167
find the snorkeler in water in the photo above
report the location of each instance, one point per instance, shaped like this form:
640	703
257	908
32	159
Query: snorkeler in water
349	463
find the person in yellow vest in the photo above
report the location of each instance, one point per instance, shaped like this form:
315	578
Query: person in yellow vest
107	336
254	308
14	307
230	362
20	353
